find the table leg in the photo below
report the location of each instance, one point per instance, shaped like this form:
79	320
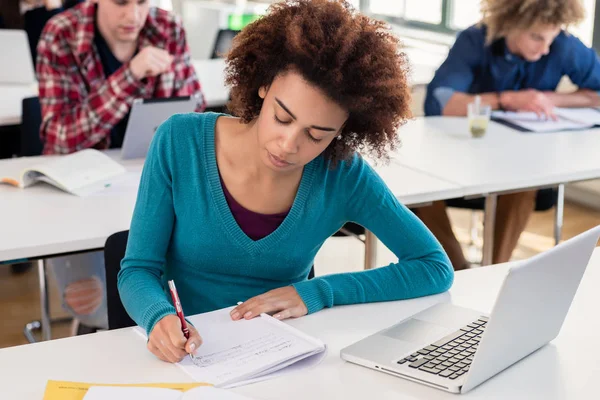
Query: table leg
558	216
489	222
370	249
44	301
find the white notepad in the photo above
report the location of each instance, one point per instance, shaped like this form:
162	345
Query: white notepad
82	173
235	353
150	393
568	119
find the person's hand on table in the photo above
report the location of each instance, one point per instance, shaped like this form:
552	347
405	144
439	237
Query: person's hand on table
282	303
528	100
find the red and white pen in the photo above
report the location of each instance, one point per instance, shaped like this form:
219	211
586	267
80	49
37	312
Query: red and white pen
179	310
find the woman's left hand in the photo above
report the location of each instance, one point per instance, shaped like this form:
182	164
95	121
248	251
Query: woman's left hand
282	303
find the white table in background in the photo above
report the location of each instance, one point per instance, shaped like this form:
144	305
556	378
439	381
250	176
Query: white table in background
43	222
504	160
11	97
565	369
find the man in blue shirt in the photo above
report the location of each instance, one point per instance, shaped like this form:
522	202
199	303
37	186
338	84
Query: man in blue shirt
514	59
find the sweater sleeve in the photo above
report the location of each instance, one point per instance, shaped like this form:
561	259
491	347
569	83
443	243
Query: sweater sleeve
423	267
140	279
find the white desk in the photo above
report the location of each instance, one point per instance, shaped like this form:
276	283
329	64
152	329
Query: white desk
565	369
412	187
11	97
43	221
211	74
502	161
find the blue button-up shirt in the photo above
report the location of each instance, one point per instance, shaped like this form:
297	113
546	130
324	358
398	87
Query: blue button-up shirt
474	67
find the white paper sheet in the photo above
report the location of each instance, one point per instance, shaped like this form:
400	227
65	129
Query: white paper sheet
147	393
234	353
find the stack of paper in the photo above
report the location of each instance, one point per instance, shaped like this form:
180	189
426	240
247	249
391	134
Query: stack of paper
235	353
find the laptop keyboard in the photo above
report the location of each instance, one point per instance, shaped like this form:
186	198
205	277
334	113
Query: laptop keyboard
451	356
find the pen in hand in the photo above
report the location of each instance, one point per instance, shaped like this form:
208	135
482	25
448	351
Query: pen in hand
179	310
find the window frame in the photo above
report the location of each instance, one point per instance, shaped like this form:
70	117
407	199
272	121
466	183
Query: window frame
442	27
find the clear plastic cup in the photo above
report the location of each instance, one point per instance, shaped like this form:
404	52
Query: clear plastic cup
479	118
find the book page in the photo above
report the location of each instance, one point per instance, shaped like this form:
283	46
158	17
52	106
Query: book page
234	352
212	393
584	115
75	172
149	393
531	121
128	393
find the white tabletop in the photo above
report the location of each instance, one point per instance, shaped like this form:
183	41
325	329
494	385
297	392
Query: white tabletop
412	187
11	97
43	220
211	74
504	159
564	369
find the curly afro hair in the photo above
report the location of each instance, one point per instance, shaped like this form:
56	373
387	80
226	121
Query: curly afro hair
353	59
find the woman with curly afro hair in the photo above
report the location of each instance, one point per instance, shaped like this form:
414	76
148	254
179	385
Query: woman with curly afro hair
236	207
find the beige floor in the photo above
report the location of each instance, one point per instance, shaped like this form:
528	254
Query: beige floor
19	300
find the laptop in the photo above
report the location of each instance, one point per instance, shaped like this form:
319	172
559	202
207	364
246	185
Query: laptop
17	65
455	349
145	117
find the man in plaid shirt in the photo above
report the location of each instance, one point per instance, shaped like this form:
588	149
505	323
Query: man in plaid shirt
84	105
93	61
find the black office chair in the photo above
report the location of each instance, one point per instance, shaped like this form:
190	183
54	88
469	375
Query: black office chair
31	143
114	251
544	200
223	42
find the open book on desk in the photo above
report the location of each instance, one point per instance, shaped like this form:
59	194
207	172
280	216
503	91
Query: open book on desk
235	353
81	173
149	393
568	119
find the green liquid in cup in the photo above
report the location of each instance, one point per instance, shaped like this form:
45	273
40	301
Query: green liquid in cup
478	126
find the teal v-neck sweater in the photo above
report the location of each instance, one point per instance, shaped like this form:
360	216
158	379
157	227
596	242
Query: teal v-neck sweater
182	229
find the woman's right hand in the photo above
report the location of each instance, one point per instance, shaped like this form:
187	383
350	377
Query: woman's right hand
167	342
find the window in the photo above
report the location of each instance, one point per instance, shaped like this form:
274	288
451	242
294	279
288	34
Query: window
449	16
429	11
464	14
429	14
386	7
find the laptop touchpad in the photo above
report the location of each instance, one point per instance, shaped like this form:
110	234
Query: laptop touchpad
416	331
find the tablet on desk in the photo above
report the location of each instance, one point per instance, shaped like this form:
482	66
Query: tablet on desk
145	117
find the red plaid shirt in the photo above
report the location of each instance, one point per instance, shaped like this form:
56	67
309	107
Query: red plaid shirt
80	105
